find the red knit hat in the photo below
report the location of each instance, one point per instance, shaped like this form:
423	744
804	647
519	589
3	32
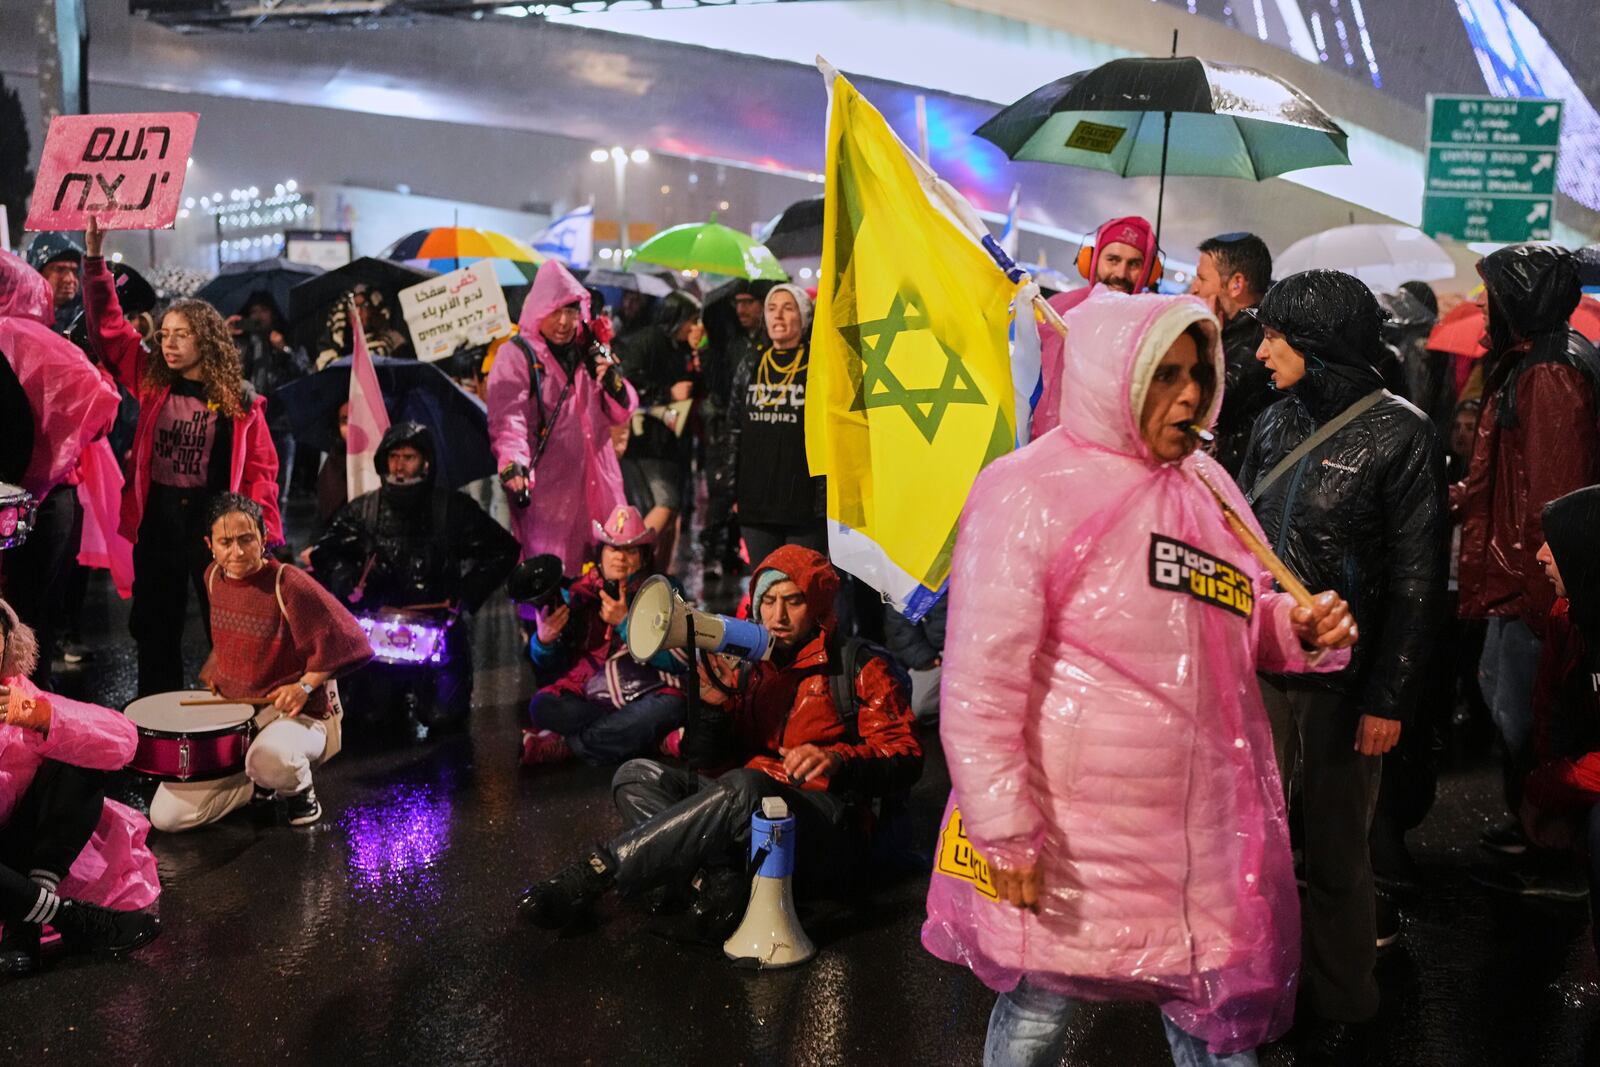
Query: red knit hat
1134	231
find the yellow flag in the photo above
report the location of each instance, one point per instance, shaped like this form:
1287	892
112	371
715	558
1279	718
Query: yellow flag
909	391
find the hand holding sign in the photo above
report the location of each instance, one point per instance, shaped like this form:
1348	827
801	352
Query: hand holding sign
128	169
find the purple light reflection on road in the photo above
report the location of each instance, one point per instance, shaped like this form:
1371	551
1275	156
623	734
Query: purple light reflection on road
398	840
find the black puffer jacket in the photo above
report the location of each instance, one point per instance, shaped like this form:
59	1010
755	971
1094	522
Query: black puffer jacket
426	543
1364	513
654	360
1247	390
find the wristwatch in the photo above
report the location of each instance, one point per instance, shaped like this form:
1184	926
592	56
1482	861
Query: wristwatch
308	687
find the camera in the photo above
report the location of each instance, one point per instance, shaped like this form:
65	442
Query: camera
521	498
538	582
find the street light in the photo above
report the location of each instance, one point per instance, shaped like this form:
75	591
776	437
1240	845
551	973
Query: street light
620	158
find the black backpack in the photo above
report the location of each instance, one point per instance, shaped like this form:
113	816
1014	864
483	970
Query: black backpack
854	654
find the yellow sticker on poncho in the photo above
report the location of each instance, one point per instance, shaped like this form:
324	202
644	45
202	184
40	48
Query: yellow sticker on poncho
960	860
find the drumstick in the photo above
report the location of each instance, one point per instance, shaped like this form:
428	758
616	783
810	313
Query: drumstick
1269	559
217	701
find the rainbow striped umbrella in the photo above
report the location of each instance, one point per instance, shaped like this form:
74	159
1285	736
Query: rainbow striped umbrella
448	248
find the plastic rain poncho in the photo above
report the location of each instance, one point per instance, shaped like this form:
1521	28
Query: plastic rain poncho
578	481
1100	712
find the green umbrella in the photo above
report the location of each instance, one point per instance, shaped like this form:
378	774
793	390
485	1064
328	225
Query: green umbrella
712	248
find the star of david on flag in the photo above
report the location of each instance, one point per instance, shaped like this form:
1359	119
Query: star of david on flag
910	390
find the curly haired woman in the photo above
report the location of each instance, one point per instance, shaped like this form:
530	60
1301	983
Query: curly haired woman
202	431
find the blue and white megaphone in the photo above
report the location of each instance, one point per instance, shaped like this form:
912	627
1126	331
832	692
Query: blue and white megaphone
661	619
770	935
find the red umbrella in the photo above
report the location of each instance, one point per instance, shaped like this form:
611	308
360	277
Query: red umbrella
1461	331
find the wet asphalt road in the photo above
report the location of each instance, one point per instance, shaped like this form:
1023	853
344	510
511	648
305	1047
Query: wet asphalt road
387	935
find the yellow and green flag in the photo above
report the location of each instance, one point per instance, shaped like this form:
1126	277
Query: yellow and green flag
909	392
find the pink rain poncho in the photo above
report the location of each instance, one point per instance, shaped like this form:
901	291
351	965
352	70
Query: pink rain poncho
577	482
1100	713
115	869
73	402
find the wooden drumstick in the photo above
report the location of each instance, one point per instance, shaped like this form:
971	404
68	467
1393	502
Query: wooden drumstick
210	702
1247	537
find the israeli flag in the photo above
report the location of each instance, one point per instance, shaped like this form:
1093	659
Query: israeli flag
1009	236
569	238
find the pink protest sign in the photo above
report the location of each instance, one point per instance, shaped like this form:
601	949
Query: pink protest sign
127	170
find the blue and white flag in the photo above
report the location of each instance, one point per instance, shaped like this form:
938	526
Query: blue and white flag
569	238
1009	235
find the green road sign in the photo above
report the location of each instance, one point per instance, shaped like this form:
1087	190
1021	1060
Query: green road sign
1491	168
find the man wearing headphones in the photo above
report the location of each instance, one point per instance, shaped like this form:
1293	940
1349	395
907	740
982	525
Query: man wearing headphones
1123	257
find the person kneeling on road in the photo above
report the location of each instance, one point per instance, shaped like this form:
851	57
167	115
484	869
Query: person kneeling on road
778	733
604	705
278	635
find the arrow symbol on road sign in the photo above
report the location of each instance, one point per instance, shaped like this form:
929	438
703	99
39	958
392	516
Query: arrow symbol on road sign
1539	211
1550	113
1544	163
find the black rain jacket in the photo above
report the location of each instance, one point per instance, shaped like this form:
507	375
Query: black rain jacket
1364	513
426	543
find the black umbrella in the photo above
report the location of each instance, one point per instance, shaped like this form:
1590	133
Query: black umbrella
229	291
1179	115
796	231
134	294
310	300
412	391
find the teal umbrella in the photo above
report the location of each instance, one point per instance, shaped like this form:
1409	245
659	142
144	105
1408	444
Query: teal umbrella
1181	115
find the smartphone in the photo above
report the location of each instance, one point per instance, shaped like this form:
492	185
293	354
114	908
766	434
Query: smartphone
613	588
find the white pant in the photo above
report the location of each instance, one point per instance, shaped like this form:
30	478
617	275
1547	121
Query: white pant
279	758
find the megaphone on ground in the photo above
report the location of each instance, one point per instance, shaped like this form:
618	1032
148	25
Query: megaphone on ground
770	935
661	619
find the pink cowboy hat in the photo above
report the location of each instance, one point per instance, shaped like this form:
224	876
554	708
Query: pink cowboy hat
624	529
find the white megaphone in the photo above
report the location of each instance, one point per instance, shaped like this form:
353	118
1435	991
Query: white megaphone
661	619
770	935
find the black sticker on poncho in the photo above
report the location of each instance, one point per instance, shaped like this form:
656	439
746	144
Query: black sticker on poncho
1185	569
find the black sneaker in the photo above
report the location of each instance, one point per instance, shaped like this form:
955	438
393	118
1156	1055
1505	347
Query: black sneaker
19	949
302	809
559	901
1563	885
89	928
1506	839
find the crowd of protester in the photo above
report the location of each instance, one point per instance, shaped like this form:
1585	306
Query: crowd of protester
1437	506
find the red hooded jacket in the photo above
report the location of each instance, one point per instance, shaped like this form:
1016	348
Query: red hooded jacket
253	469
785	706
1538	435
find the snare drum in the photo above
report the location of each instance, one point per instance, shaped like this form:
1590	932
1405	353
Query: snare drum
179	744
406	638
16	515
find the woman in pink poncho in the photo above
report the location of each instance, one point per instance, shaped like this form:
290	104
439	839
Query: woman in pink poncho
69	857
576	481
1116	827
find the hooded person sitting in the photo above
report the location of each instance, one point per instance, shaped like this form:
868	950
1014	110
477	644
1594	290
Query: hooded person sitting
413	542
605	706
777	732
1116	828
69	858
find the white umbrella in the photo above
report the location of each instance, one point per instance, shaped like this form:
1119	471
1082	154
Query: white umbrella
1381	255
